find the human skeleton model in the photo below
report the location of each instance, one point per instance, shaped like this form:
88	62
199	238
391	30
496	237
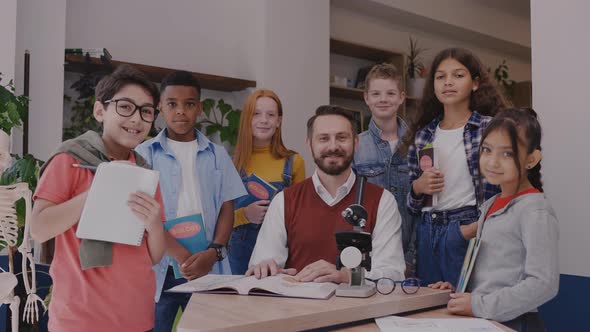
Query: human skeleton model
9	236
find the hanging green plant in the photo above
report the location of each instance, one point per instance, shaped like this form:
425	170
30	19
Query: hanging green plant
13	108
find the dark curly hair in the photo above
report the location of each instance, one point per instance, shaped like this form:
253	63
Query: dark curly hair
486	100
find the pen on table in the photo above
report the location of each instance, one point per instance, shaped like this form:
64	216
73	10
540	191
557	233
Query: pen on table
93	168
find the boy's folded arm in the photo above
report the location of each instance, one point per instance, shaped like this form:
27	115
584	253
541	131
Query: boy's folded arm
225	223
157	244
175	249
49	219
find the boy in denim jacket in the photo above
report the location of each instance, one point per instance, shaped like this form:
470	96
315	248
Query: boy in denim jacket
377	156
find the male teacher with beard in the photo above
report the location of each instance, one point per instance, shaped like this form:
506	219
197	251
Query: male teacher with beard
297	235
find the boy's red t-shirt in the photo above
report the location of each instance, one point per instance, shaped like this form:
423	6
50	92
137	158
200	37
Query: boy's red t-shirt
501	202
119	297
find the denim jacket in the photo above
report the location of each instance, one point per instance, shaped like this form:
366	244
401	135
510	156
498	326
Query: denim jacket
218	179
374	160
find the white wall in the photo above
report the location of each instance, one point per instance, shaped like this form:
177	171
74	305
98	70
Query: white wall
208	36
8	38
281	44
560	72
354	26
41	29
296	64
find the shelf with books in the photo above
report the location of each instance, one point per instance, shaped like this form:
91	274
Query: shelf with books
351	60
78	63
345	92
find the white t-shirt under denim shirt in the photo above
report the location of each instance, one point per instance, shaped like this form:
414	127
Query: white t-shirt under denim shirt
189	197
450	154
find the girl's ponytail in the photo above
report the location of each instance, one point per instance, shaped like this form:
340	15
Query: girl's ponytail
534	176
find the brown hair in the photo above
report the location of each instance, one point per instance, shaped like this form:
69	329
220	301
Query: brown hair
331	110
122	76
243	150
384	71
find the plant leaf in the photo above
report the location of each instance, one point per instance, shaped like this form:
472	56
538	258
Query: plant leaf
208	105
225	134
233	120
212	129
223	107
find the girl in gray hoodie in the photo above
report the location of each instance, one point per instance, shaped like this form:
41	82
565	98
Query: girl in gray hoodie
516	269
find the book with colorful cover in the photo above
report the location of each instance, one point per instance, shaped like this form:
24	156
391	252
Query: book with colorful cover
189	231
258	189
468	263
426	161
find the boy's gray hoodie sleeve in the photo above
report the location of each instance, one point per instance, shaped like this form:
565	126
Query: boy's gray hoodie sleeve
540	283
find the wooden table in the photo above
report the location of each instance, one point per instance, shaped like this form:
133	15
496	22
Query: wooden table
221	312
371	326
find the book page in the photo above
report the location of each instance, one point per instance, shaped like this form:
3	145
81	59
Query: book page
279	285
106	215
209	282
286	285
403	324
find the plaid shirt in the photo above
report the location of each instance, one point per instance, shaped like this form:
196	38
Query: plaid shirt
471	139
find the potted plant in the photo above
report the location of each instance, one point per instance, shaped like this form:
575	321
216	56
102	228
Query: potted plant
14	170
415	70
82	119
506	85
220	122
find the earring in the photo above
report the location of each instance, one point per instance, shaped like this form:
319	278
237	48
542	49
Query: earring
528	166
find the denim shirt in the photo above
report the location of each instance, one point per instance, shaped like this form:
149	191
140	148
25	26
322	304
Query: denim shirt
219	182
374	160
472	135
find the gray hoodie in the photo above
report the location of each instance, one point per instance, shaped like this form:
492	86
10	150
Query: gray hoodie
516	268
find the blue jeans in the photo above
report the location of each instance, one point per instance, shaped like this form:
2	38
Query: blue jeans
241	245
441	246
169	303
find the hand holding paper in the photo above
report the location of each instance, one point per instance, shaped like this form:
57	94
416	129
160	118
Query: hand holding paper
106	215
147	209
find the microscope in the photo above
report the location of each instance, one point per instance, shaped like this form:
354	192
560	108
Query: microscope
355	248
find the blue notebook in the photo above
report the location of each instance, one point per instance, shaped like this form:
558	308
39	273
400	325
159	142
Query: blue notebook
258	190
190	232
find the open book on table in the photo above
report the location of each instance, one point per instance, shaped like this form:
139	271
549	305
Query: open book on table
279	285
